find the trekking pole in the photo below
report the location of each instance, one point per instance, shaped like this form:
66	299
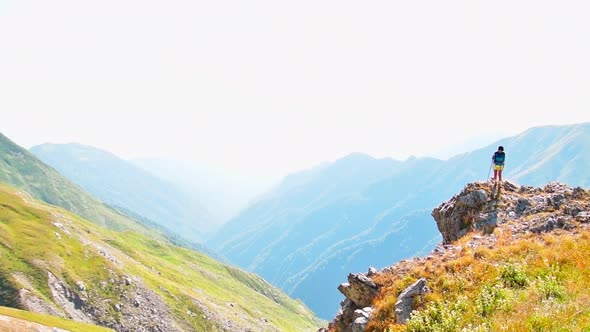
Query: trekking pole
490	171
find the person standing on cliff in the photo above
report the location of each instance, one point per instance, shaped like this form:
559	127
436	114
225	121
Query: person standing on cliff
498	159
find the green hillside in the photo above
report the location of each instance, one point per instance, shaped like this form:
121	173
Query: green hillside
23	170
52	261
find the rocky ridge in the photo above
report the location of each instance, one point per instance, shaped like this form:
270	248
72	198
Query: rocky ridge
477	211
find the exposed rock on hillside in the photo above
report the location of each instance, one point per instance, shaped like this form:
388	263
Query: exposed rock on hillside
403	306
480	208
359	289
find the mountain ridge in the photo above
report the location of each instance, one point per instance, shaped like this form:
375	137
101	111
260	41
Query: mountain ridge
119	182
20	168
407	191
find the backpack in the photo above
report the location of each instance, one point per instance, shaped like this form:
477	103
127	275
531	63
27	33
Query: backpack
499	158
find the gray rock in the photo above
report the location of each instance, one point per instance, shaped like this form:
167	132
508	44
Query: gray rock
403	306
359	324
372	271
522	204
360	289
474	199
81	286
583	217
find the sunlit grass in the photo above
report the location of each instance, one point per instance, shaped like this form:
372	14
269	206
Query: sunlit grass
535	283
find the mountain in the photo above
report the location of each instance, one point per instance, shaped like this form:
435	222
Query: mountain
223	193
21	169
55	262
513	258
120	183
361	211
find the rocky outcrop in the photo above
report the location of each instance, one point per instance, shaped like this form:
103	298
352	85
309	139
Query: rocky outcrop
30	301
479	206
457	215
361	319
359	289
67	299
355	312
137	309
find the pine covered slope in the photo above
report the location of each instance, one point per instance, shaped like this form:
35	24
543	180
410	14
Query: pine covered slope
517	261
54	262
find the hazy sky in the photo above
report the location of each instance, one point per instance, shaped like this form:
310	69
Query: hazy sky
275	86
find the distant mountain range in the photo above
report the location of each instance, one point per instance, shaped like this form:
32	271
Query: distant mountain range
319	225
316	226
224	194
114	270
120	183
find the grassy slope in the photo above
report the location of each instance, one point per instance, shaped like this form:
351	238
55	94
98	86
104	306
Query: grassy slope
535	283
51	321
29	246
23	170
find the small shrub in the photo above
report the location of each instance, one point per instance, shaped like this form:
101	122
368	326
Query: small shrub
549	287
479	328
514	276
491	297
540	323
438	317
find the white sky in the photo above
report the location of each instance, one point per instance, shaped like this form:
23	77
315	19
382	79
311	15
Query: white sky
269	87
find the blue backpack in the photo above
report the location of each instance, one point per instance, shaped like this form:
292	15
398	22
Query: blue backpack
499	158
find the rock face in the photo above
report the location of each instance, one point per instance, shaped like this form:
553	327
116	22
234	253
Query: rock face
359	289
139	309
355	312
478	207
455	216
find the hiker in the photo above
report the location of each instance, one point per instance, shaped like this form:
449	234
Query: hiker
498	160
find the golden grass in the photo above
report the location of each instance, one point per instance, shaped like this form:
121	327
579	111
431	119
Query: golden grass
535	283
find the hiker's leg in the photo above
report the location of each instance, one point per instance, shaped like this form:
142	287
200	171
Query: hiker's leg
500	175
495	174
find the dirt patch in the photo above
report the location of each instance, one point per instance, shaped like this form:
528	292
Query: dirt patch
11	324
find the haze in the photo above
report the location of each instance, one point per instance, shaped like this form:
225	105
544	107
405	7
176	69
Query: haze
264	88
